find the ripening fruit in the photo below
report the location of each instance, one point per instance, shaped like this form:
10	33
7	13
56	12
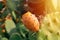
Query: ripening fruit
30	21
37	7
3	30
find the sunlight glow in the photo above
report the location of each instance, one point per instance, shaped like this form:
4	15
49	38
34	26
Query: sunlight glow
55	3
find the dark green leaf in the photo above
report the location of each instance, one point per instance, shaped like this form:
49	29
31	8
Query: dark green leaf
15	36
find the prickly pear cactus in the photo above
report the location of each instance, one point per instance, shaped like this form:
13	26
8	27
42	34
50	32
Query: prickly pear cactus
15	36
50	27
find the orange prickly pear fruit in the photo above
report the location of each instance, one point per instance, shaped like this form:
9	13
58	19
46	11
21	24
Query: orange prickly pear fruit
30	21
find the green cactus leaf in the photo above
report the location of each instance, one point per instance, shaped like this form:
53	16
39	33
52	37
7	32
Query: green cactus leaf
11	4
50	27
15	36
14	15
9	25
0	37
21	29
4	38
